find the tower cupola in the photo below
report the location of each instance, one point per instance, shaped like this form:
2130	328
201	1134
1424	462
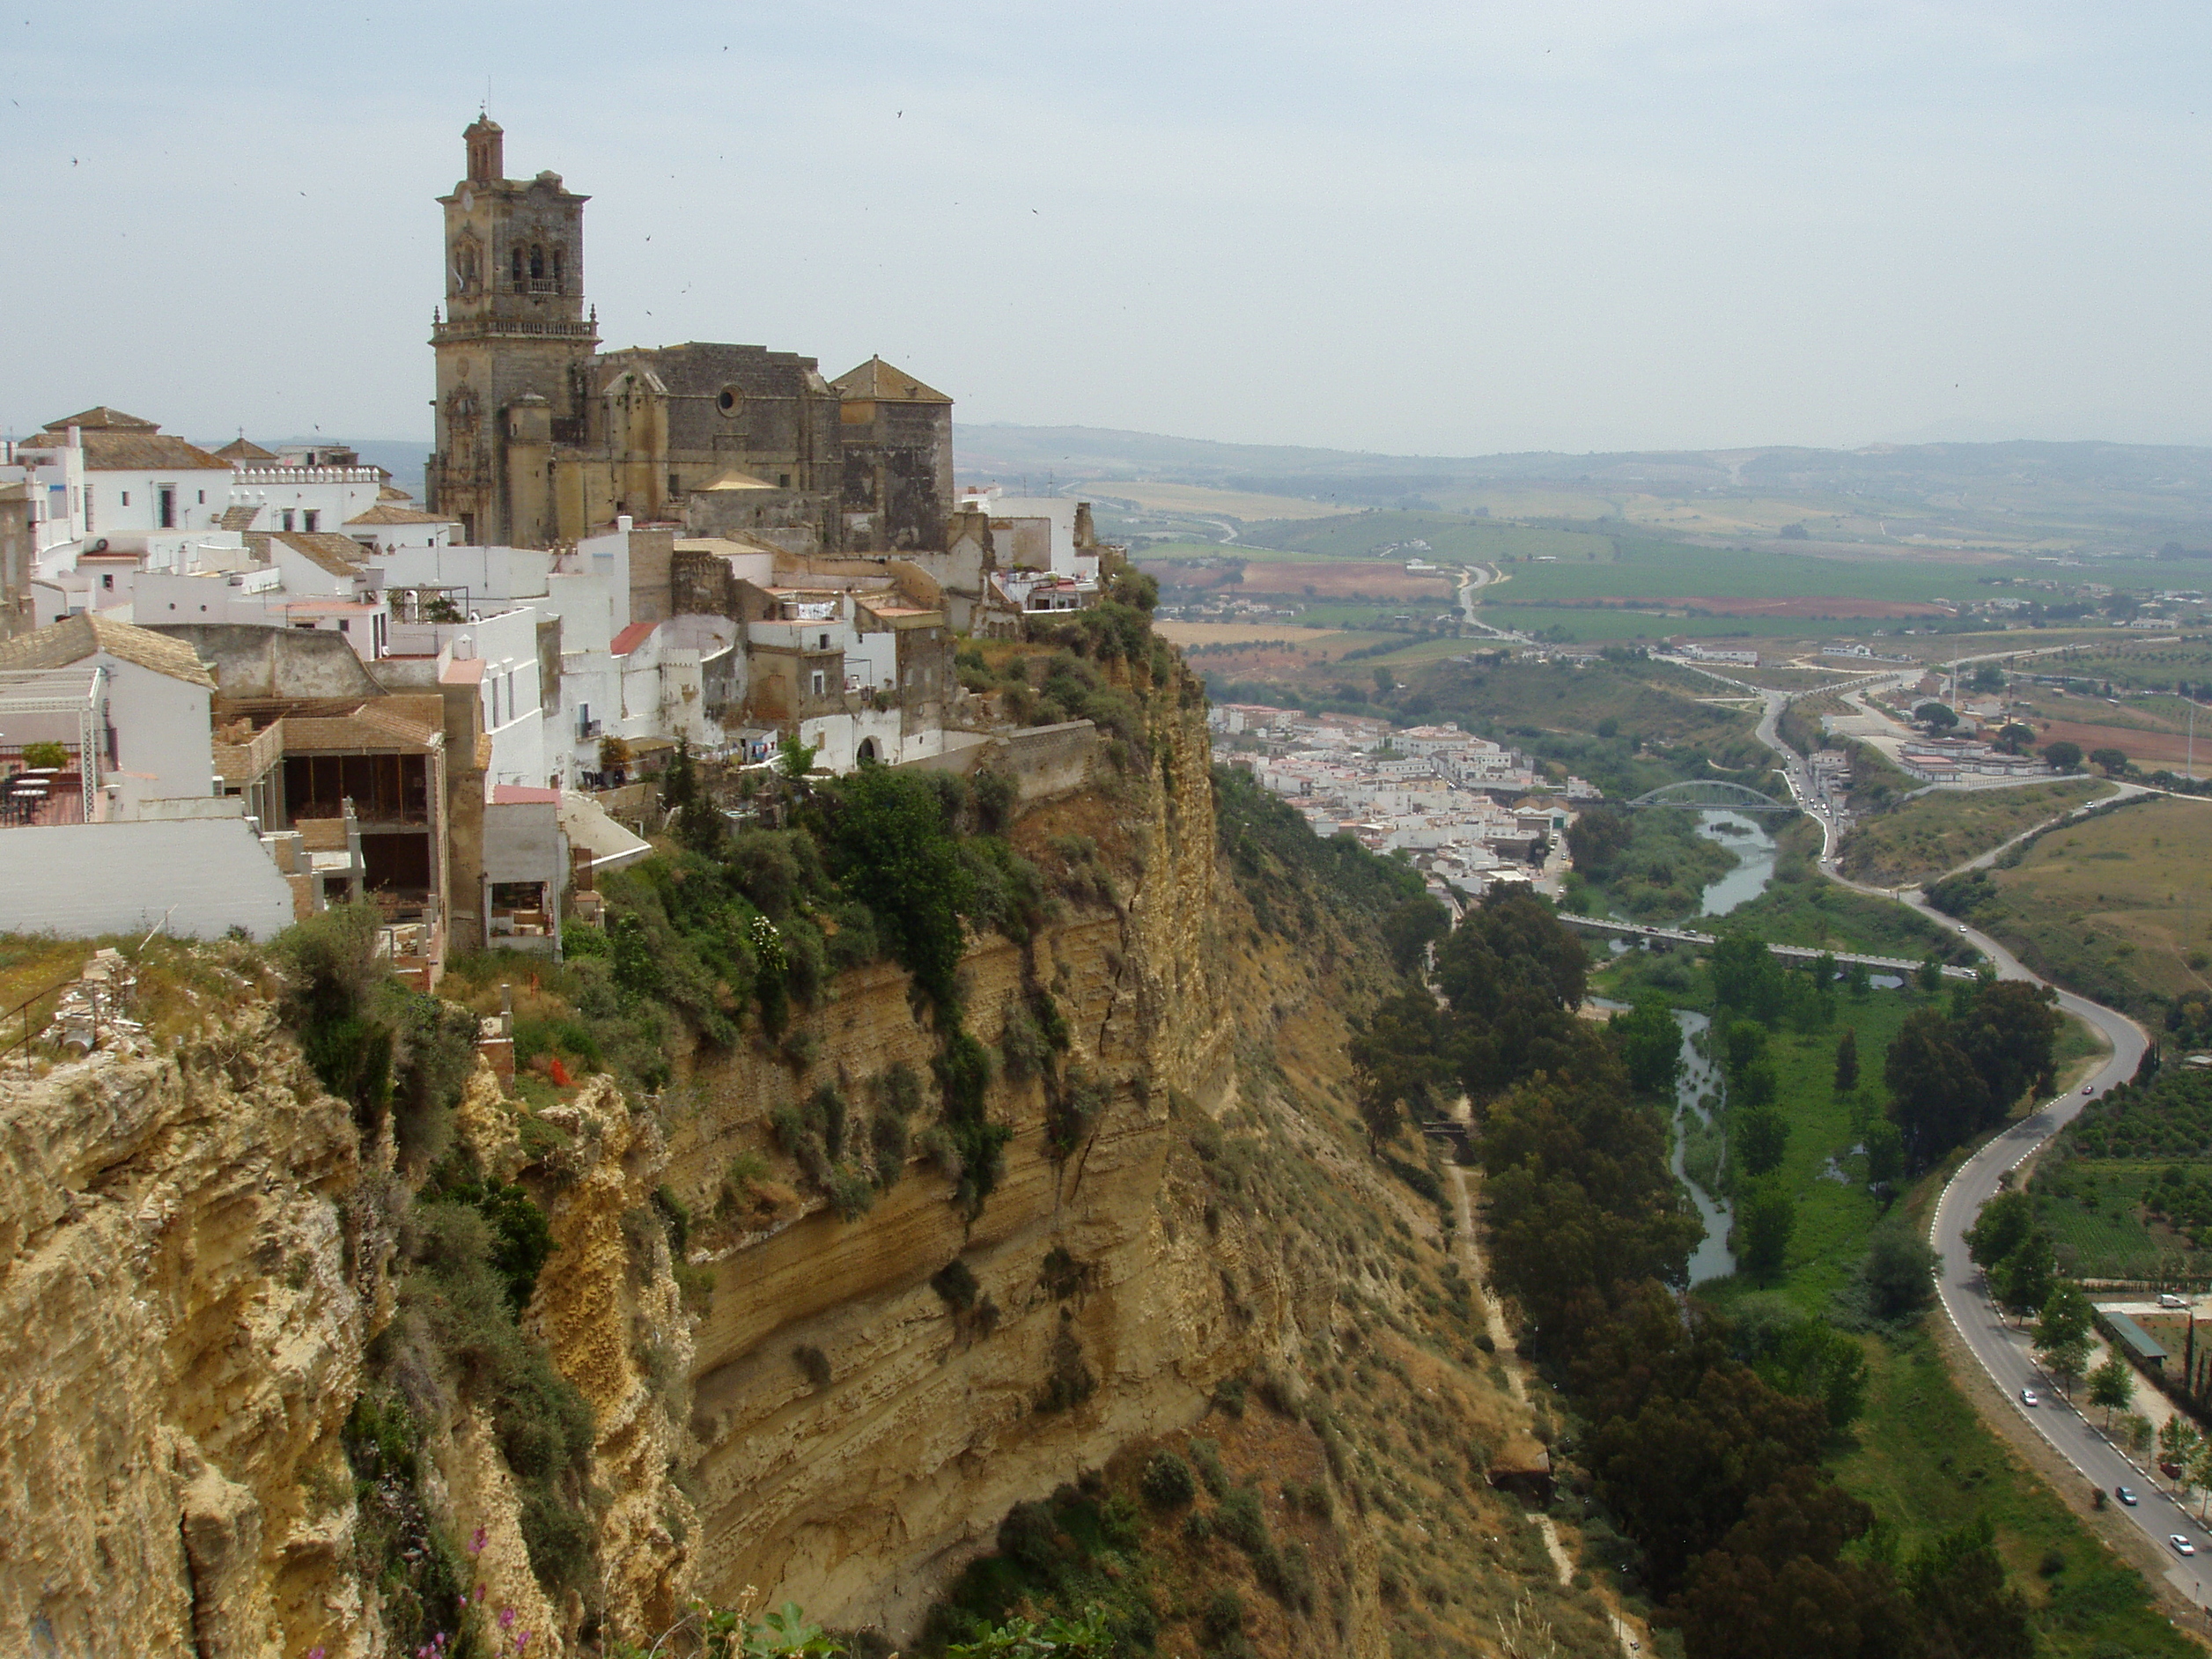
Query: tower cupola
487	151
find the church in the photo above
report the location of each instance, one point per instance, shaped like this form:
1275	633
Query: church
543	439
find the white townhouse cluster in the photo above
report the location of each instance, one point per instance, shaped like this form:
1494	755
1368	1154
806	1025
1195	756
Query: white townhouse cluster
1468	812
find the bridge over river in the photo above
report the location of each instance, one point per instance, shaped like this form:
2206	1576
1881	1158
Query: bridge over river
1799	953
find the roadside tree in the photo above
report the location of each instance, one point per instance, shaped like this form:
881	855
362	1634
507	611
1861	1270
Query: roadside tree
2112	1386
2062	756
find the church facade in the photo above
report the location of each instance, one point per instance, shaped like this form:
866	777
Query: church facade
543	439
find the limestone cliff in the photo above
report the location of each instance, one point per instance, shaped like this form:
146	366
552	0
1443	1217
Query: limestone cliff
203	1266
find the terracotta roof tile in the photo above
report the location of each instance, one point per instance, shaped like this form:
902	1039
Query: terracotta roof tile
876	380
385	512
74	638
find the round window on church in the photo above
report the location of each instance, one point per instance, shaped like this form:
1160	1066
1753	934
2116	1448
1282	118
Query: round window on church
730	399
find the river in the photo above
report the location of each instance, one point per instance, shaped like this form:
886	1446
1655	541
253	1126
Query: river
1698	1078
1754	851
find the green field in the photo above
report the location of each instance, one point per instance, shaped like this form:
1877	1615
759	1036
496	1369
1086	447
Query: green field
2118	908
1457	538
1919	1456
1570	624
1940	831
2092	1208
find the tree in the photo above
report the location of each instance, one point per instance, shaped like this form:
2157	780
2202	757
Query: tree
1410	926
2113	761
2178	1443
2002	1228
1745	978
2112	1386
1846	1078
1761	1137
1885	1155
1936	717
1763	1224
1900	1272
2008	1032
1597	837
2135	1434
1858	981
2024	1279
1650	1044
794	758
2014	738
1937	1096
1396	1063
1965	1604
2062	756
1384	684
1989	677
1928	976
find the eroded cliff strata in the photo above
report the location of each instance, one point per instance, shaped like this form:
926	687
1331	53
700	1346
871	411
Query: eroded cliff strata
203	1261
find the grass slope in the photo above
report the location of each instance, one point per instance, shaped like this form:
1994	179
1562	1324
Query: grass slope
1935	833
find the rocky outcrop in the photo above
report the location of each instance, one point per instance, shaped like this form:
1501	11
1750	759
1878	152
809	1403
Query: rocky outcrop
183	1339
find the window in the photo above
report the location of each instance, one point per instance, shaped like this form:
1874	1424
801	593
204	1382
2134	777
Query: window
166	507
675	488
537	263
345	626
820	681
126	497
518	271
825	642
107	579
288	517
783	481
203	498
312	520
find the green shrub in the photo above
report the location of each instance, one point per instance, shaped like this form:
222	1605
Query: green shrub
813	1364
1167	1482
956	1283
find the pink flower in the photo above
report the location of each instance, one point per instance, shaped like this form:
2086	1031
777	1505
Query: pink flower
522	1641
476	1542
315	1652
506	1619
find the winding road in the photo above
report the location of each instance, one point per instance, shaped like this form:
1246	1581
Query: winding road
2001	1351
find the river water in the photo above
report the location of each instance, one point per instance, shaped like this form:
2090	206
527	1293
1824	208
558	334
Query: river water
1754	851
1698	1078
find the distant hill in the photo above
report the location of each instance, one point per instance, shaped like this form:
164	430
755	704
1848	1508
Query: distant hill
2104	497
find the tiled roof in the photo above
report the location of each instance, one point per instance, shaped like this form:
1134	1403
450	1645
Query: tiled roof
340	555
74	638
101	418
392	492
239	517
384	512
138	448
369	726
632	637
523	795
878	380
242	449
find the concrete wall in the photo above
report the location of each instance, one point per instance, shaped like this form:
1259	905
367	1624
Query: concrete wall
254	662
165	741
1046	760
83	879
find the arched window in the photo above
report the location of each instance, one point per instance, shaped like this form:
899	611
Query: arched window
518	271
537	263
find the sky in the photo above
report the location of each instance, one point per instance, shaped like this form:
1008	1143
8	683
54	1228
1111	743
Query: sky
1434	229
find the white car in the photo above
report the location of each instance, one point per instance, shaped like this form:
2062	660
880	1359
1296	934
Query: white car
2181	1545
2028	1398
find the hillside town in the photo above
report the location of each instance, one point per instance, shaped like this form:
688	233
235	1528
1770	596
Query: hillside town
1468	813
249	682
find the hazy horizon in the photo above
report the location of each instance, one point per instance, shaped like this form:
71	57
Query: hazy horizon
1420	230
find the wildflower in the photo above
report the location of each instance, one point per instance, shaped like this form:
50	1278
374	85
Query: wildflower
506	1619
476	1542
522	1641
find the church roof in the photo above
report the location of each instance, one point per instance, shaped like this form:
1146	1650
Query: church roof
877	381
243	448
74	638
102	419
385	512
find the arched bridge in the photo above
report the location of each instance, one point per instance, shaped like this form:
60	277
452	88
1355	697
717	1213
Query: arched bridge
1711	794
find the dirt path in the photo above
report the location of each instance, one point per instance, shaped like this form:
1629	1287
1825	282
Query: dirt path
1630	1634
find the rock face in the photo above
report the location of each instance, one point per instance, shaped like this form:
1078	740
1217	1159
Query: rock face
855	1493
196	1252
184	1334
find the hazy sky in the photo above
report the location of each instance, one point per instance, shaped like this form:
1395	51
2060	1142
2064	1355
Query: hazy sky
1451	228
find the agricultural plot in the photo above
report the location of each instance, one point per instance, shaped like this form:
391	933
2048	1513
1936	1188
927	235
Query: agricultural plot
1935	833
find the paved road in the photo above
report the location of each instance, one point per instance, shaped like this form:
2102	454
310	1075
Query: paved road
2002	1351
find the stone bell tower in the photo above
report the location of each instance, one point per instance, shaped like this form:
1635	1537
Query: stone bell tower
514	347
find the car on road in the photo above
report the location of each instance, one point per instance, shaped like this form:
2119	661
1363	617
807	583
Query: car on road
1962	927
2126	1494
2089	1088
2181	1545
2027	1397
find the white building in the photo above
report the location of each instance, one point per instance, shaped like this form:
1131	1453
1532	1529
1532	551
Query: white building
159	738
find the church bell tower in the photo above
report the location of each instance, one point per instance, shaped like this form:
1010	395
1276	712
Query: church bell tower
513	346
